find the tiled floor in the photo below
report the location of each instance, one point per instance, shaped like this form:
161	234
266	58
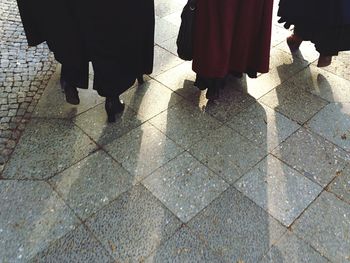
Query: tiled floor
260	176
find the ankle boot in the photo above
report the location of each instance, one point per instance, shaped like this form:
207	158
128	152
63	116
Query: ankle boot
71	93
294	42
324	61
113	106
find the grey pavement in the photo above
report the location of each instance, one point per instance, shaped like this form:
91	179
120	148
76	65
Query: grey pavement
261	175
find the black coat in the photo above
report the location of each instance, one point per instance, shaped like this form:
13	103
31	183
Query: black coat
117	36
316	12
325	22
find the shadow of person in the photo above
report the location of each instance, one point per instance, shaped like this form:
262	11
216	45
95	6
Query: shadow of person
228	153
294	98
133	223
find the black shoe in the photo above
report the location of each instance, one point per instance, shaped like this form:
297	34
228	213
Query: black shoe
113	106
71	93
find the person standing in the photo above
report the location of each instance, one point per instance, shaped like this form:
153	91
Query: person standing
116	36
326	23
231	37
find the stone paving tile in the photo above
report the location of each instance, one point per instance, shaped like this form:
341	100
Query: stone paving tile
294	102
32	215
263	126
170	45
175	18
46	148
307	50
183	247
134	226
333	123
282	67
166	7
143	150
313	156
236	228
231	102
291	249
92	183
164	30
227	153
185	124
164	60
340	65
341	185
185	186
323	84
94	123
53	103
325	226
78	246
279	35
150	99
279	189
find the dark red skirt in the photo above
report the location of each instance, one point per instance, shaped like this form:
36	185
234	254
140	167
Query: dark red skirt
232	36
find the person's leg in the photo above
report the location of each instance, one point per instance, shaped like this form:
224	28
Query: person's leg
111	79
73	77
327	47
294	41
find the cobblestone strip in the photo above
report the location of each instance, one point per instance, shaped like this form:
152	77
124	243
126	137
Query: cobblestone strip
24	74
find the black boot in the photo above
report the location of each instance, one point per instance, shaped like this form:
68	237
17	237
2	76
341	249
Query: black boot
113	106
71	93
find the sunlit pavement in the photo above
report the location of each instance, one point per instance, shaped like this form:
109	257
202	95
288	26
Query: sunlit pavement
262	175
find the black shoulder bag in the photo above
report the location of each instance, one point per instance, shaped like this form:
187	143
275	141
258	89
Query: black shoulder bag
186	34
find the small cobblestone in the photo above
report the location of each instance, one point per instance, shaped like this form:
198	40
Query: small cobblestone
13	125
2	147
11	144
12	113
21	127
24	75
16	134
5	134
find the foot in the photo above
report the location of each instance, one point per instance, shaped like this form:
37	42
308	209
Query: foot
113	106
294	42
71	93
324	61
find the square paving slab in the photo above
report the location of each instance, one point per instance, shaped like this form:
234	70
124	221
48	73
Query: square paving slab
134	226
325	226
279	189
31	216
184	247
263	126
185	186
291	249
143	150
227	153
92	183
78	246
333	123
236	228
313	156
46	148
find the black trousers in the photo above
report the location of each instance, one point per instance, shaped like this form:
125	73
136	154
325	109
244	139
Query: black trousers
110	79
